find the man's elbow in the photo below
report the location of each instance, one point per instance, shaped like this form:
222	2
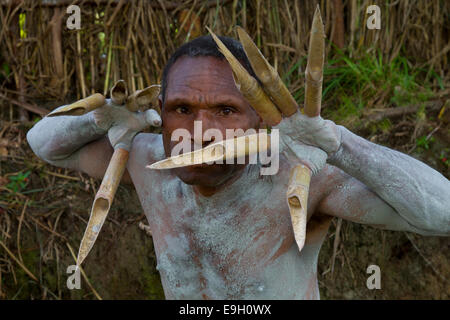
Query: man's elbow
33	141
438	226
39	145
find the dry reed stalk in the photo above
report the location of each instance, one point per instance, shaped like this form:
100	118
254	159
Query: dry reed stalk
28	272
80	66
159	23
56	41
19	228
108	65
336	243
92	63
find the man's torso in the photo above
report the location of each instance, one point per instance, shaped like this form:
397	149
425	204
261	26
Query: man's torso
235	244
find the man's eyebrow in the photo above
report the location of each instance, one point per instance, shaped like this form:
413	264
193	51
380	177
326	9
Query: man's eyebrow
178	101
219	101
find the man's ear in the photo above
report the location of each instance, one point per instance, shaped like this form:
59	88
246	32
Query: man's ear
160	102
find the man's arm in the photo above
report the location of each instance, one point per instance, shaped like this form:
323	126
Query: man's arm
350	199
73	142
382	185
387	189
80	142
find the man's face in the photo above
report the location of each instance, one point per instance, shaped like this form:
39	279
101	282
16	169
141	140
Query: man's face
203	89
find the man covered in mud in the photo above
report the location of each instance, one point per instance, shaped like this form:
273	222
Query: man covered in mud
223	231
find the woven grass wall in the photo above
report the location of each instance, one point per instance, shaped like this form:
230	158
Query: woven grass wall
132	40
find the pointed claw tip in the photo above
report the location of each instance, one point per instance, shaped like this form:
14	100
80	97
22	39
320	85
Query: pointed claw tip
317	16
239	29
317	9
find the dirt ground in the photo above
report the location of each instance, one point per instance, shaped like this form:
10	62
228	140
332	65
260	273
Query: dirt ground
51	209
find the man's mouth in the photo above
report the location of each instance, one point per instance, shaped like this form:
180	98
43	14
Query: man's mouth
204	165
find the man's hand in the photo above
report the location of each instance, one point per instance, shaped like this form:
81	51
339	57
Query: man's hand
122	125
310	140
304	138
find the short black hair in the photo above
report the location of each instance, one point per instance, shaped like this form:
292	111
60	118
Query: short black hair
205	47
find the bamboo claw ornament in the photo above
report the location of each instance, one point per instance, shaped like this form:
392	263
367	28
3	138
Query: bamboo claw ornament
114	172
297	197
314	67
119	92
141	99
80	107
249	87
242	146
272	83
298	189
103	200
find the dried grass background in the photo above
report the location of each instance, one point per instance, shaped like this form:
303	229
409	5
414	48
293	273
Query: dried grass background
45	65
141	35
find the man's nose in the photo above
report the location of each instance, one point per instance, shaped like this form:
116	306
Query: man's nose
207	122
200	143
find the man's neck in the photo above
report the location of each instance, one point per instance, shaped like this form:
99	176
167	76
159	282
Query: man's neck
207	191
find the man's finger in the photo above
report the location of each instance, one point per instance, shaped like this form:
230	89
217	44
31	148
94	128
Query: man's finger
272	83
153	118
249	87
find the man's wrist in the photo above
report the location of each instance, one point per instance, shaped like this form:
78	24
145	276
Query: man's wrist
340	158
334	154
101	126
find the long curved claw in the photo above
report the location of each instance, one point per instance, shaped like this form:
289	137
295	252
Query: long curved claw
314	67
102	202
298	189
119	92
80	107
249	87
297	198
242	146
272	83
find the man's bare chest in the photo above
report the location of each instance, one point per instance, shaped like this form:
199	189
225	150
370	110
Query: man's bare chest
248	217
237	243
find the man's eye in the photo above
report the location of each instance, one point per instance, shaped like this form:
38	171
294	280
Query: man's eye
226	111
182	110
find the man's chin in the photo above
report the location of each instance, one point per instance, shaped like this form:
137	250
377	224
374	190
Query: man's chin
206	175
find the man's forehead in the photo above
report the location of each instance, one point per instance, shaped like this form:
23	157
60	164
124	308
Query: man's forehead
200	74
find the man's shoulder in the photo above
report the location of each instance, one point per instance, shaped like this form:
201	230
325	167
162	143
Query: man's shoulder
327	179
146	148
